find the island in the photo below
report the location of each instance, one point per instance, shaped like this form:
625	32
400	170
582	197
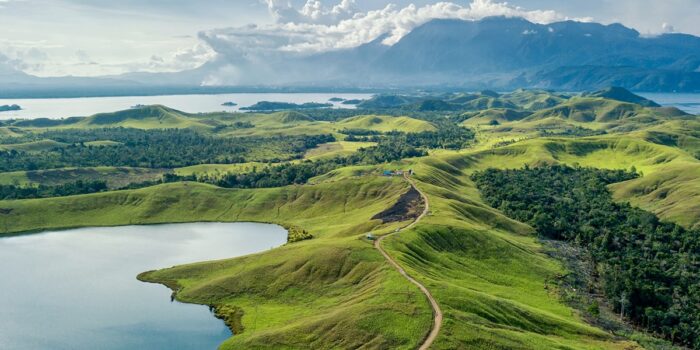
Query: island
352	102
229	104
276	106
7	108
336	99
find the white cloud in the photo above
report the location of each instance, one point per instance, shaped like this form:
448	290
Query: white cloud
317	28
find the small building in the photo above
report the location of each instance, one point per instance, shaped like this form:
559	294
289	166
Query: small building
370	236
388	173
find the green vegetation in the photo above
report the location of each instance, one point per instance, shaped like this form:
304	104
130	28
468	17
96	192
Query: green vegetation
647	269
297	234
167	148
43	191
318	173
276	106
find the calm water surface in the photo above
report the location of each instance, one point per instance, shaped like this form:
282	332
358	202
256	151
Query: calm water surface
686	102
80	107
77	289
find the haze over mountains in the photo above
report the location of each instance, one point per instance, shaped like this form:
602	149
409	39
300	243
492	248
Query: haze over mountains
492	53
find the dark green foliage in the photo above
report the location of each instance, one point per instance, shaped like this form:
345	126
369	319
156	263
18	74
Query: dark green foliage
359	132
649	270
297	234
447	136
42	191
162	148
575	131
299	173
276	106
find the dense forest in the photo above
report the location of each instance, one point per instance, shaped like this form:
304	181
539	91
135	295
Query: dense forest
43	191
166	148
387	150
447	136
649	270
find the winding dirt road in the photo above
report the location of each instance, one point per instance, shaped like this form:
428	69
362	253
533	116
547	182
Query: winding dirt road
437	313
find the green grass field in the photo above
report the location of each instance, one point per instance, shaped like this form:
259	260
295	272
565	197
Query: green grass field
491	276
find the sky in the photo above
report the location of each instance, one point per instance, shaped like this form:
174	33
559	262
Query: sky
103	37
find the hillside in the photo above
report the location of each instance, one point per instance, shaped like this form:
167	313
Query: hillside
498	283
385	123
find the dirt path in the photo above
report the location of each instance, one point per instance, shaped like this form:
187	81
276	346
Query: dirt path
437	313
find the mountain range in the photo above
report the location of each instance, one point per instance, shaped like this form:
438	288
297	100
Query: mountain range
492	53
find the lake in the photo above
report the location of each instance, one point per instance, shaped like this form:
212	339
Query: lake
686	102
72	107
77	289
80	107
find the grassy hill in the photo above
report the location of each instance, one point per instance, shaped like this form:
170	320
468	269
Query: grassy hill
491	277
497	284
147	117
385	124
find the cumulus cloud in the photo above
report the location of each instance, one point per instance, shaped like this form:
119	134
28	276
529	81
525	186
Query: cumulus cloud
317	27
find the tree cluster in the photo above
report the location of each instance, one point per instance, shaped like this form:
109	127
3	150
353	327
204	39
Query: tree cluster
43	191
649	270
165	148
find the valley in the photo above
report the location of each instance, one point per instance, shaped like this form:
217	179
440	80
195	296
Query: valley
381	267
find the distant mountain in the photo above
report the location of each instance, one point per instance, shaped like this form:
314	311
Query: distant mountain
495	53
512	52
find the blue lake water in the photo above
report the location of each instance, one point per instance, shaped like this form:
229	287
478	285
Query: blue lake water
71	107
78	290
686	102
80	107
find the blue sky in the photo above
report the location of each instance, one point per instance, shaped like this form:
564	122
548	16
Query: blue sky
95	37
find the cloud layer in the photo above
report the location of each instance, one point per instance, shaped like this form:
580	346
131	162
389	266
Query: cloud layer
317	28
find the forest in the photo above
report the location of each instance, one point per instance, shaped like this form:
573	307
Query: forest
387	150
165	148
43	191
649	270
447	136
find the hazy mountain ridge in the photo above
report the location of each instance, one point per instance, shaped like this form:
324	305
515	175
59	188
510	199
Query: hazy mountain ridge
493	53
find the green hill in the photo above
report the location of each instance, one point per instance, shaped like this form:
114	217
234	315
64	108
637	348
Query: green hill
147	117
623	95
385	123
499	115
292	117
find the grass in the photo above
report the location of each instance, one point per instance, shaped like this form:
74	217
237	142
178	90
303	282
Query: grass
336	149
334	288
34	146
116	177
490	275
213	169
385	124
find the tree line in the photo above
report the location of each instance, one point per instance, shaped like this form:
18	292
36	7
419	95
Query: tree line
299	173
163	148
8	192
649	270
445	137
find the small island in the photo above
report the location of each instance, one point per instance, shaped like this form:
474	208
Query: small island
7	108
277	106
336	99
352	102
229	104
